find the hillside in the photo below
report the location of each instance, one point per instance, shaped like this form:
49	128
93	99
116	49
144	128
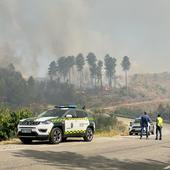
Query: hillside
142	88
151	85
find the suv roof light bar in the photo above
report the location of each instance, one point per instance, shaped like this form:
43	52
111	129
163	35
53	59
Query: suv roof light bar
67	106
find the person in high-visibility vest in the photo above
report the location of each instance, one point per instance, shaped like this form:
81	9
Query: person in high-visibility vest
159	125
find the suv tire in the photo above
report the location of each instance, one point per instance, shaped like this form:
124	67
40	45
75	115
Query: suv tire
89	135
56	136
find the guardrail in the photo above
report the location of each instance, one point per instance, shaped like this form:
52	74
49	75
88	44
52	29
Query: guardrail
133	117
125	116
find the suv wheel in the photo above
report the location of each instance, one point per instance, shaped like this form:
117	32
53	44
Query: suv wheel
26	141
89	135
55	136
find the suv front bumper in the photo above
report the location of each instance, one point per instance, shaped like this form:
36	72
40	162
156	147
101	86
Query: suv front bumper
35	132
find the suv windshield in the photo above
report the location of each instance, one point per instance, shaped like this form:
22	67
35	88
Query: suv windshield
137	121
53	113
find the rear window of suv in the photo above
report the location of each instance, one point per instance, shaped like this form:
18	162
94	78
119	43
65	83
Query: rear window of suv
81	114
137	121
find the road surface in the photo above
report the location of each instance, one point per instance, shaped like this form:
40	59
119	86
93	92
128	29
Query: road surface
118	153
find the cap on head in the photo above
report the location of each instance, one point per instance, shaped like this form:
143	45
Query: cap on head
145	113
159	115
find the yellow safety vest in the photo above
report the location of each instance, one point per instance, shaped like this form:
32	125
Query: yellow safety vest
159	121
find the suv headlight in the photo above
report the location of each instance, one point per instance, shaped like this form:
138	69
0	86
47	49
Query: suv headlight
46	122
20	122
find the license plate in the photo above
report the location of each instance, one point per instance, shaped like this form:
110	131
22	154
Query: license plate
26	130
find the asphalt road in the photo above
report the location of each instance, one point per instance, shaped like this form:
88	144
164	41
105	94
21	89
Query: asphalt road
118	153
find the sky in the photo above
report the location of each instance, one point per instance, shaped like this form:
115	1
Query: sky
35	32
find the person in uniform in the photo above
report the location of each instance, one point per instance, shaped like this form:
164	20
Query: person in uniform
145	120
159	125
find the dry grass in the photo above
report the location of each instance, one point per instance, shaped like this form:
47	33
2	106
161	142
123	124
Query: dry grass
11	141
120	129
112	133
108	133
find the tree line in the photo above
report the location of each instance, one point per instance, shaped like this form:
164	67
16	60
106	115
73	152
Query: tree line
63	69
17	91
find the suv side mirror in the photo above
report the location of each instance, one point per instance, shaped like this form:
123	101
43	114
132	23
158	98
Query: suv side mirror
69	116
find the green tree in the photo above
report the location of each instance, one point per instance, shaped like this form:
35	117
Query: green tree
80	65
52	70
126	67
13	85
70	62
11	67
10	120
99	72
63	67
31	89
91	60
110	67
31	82
2	90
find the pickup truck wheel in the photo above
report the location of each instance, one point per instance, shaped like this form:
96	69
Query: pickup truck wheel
56	136
89	135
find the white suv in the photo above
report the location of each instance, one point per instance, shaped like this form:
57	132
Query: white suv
57	124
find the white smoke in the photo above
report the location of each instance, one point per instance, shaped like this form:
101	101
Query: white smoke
34	32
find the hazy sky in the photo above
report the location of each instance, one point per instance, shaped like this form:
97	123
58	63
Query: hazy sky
34	32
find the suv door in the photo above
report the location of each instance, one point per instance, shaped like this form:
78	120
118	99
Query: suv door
70	123
82	121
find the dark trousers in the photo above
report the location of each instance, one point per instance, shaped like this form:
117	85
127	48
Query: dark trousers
142	130
158	131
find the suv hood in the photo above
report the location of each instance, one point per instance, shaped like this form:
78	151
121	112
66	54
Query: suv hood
38	119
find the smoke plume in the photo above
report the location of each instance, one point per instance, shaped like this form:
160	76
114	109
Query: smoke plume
34	32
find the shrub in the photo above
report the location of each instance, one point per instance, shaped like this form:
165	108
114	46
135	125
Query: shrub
9	121
108	125
105	122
